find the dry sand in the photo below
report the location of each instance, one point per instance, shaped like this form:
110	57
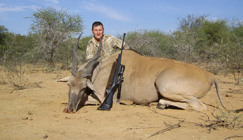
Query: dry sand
37	113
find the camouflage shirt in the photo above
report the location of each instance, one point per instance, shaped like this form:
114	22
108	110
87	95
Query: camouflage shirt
110	45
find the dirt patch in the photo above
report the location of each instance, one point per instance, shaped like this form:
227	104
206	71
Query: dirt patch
37	113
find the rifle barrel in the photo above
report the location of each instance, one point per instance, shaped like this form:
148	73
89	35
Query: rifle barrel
107	103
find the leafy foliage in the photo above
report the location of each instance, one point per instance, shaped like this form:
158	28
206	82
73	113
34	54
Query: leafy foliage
53	29
151	43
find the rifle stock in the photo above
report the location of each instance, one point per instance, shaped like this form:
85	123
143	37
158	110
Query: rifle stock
117	79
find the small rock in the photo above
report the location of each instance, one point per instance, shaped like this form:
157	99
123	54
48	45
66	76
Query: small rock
46	136
228	95
25	118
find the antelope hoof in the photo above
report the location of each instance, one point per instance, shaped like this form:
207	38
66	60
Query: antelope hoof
162	106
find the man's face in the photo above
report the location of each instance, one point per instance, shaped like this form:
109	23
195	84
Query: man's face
98	32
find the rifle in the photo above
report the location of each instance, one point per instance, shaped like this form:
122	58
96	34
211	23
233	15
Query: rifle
117	79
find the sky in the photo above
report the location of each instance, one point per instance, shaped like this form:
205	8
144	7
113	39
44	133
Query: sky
120	16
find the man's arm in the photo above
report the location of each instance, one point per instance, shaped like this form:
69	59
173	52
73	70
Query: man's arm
117	43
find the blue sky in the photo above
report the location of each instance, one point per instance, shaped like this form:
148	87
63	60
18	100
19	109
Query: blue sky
119	16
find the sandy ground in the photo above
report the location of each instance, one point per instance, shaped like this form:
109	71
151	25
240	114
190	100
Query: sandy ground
37	113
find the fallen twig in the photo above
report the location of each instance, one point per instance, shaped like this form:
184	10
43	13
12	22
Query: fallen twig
234	136
168	129
141	128
238	110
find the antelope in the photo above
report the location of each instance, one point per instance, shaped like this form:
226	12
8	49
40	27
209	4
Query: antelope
146	79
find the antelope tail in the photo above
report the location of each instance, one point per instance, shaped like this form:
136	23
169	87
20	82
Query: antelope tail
217	90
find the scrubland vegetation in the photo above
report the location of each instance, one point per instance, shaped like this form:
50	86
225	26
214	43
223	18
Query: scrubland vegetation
216	45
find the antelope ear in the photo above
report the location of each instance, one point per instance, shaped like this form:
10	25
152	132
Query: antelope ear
65	79
90	85
96	94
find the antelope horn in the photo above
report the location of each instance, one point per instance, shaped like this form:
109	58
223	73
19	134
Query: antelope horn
90	65
75	57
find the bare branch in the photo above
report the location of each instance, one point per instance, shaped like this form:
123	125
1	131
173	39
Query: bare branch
168	128
234	136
